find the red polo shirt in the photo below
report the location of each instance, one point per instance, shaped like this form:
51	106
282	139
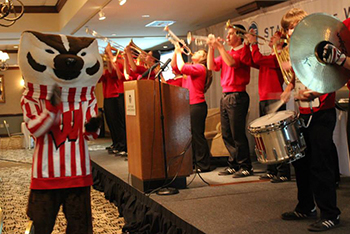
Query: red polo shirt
233	79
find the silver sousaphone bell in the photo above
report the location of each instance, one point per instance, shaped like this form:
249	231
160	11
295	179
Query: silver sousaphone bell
313	30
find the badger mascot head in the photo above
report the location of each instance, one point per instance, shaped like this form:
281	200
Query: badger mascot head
47	59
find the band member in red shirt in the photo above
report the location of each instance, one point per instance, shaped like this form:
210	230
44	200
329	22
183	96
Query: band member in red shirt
234	103
197	81
109	82
145	62
270	89
315	172
118	118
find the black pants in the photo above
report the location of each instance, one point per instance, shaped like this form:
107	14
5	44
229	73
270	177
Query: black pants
43	207
200	148
234	109
279	169
119	118
111	110
315	172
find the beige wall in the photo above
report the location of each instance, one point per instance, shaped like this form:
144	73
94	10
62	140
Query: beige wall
11	110
13	92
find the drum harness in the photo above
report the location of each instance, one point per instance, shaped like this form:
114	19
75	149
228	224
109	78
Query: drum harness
302	120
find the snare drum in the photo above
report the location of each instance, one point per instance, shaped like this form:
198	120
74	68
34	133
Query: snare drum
277	137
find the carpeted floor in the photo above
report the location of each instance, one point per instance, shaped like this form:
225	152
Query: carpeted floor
15	169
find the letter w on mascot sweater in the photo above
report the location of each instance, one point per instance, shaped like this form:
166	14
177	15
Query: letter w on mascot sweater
61	158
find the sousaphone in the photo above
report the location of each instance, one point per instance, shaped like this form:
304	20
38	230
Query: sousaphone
308	67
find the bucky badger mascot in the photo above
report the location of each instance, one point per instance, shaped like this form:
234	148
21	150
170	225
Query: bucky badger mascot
60	110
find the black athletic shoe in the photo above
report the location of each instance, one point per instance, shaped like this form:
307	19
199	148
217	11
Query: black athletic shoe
227	171
266	176
295	215
200	170
121	153
110	147
280	179
243	173
324	224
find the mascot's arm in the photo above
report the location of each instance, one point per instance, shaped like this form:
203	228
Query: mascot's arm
93	122
39	116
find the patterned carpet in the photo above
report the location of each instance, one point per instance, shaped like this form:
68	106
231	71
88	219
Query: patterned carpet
14	189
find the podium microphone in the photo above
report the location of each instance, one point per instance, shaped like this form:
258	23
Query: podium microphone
162	68
145	74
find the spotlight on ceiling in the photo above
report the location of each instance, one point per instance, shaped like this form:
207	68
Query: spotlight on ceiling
122	2
101	15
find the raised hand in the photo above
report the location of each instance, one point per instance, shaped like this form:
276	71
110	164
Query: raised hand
55	98
330	54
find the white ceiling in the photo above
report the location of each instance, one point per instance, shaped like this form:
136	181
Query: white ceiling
123	22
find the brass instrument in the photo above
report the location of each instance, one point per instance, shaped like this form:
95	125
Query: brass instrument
174	39
283	56
29	228
304	46
135	50
199	40
229	25
96	35
141	54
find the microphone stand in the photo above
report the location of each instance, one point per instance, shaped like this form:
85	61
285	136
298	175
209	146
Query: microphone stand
166	190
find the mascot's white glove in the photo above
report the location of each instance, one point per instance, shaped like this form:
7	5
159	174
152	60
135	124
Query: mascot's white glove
331	54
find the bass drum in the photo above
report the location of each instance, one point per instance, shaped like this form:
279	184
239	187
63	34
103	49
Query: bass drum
342	98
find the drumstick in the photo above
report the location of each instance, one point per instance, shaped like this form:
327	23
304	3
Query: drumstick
272	108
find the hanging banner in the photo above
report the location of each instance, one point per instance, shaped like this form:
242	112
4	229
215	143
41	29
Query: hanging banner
267	23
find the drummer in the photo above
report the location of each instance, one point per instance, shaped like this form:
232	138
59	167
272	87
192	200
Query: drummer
314	173
270	89
332	55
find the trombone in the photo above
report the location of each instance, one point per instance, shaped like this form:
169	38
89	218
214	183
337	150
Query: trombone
174	39
96	35
136	51
229	25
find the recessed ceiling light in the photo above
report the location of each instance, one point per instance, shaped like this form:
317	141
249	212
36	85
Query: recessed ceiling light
160	23
145	16
16	46
101	15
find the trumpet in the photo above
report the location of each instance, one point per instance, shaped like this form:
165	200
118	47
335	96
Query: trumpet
199	40
174	39
229	25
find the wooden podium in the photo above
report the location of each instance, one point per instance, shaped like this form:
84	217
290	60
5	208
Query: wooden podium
144	133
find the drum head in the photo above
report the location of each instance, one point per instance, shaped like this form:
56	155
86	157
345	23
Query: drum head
272	120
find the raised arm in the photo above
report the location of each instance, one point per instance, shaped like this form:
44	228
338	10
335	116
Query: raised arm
210	58
130	58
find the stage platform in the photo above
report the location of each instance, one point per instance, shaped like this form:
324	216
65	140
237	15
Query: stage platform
228	205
